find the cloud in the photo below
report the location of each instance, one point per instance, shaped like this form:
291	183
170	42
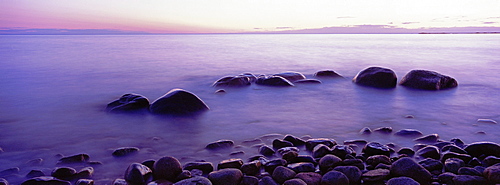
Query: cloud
345	17
490	22
283	27
410	22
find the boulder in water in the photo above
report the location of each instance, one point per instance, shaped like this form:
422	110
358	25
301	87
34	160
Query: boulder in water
232	81
178	102
427	80
128	102
376	77
273	81
291	76
327	74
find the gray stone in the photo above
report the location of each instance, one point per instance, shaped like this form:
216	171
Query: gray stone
377	159
354	162
327	74
128	102
85	173
446	178
453	148
267	180
278	143
311	143
427	80
205	167
282	174
320	150
266	150
302	167
178	102
383	130
310	178
125	151
376	77
274	81
167	168
271	165
197	180
328	162
406	151
479	149
402	181
351	172
408	168
334	178
294	140
432	164
251	168
365	131
228	176
137	173
342	150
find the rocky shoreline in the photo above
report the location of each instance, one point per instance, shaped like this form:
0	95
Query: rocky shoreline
292	160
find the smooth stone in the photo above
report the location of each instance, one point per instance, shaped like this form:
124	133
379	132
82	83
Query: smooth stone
220	144
295	182
310	178
334	178
302	167
205	167
64	173
374	160
178	102
279	143
375	148
35	173
230	163
464	157
251	168
274	81
376	77
427	80
490	121
250	76
458	142
406	151
282	174
491	160
266	150
290	156
86	173
383	130
408	133
375	175
9	171
407	167
128	102
358	142
304	158
446	178
291	76
197	180
431	138
365	131
492	173
137	173
453	148
267	180
84	182
327	74
453	164
228	176
125	151
354	162
284	150
294	140
78	158
307	81
185	174
167	168
479	149
468	171
351	172
45	180
432	164
120	182
249	180
329	162
232	81
468	180
320	150
271	165
428	152
402	181
311	143
3	181
342	150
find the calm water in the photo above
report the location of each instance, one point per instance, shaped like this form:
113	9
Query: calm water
54	90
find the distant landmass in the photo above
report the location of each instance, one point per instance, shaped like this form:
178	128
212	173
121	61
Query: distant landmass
35	31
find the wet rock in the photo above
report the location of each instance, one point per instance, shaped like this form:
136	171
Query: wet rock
491	160
492	173
251	168
84	182
469	171
429	152
284	150
328	162
228	176
327	74
232	81
281	174
45	180
320	151
149	163
431	138
121	152
453	164
342	150
198	180
205	167
310	178
479	149
365	131
79	158
304	158
185	174
249	180
291	76
375	175
220	144
427	80
178	102
137	173
377	159
458	142
307	81
358	142
383	166
290	156
128	102
266	150
453	148
311	143
406	151
9	171
271	165
432	164
2	180
167	168
468	180
408	168
334	178
35	162
302	167
408	133
375	148
351	172
120	182
376	77
294	140
354	162
446	178
273	81
383	130
464	157
230	163
490	121
295	182
267	180
474	162
278	143
402	181
64	173
85	173
34	173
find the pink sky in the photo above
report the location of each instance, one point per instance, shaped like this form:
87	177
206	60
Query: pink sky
222	16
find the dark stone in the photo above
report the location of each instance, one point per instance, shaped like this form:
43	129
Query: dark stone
149	163
304	158
492	173
34	173
45	180
365	131
383	166
479	149
85	173
302	167
237	153
197	180
267	180
453	148
402	181
228	176
120	182
230	163
281	174
328	162
79	158
468	180
64	173
334	178
250	76
408	133
458	142
320	150
205	167
295	182
406	151
251	168
266	150
383	130
167	168
290	156
468	171
376	77
327	74
9	171
120	152
311	143
377	159
284	150
310	178
128	102
291	76
220	144
178	102
408	168
374	148
375	175
137	173
84	182
358	142
351	172
431	138
354	162
342	150
431	164
249	180
294	140
185	174
278	143
453	164
2	180
273	81
307	81
429	152
464	157
474	162
232	81
446	178
491	160
427	80
271	165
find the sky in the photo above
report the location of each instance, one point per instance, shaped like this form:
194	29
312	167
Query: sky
234	16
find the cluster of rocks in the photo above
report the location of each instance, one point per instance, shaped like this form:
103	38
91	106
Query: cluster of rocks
322	161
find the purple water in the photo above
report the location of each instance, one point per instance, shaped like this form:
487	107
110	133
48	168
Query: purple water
54	90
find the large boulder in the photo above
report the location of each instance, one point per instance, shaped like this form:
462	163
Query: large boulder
376	77
232	81
273	81
327	74
407	167
291	76
427	80
479	149
178	102
128	102
227	176
167	168
138	174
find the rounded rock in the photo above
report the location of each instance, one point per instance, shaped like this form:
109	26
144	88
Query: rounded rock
408	133
334	178
402	181
205	167
295	182
125	151
327	74
282	174
137	173
178	102
429	152
479	149
128	102
351	172
167	168
274	81
376	77
374	148
45	180
220	144
310	178
198	180
232	81
228	176
64	173
427	80
249	180
329	162
492	173
291	76
408	168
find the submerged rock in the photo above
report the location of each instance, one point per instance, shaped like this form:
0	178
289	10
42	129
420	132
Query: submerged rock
178	102
273	81
407	167
327	74
307	81
376	77
128	102
232	81
137	173
124	151
483	149
46	180
427	80
291	76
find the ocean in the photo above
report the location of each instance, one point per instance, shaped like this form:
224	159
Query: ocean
54	90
